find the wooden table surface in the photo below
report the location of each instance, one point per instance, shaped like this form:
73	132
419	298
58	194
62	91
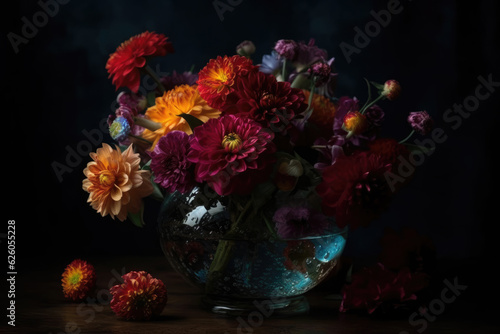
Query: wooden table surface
41	308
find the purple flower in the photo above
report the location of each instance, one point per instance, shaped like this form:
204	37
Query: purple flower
321	72
271	64
297	222
375	115
308	53
286	48
331	151
421	122
169	162
134	102
177	79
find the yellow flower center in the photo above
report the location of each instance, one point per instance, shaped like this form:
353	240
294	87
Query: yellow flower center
231	141
106	178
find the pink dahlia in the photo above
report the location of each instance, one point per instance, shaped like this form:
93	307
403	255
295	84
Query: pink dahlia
169	162
354	189
231	154
139	297
262	98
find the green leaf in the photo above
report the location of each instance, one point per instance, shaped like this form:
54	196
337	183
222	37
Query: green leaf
137	218
192	121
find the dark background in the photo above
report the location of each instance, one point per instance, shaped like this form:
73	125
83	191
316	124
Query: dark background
56	86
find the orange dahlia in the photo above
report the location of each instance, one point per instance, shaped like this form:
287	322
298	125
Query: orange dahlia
139	297
124	64
323	110
78	280
183	99
217	79
115	182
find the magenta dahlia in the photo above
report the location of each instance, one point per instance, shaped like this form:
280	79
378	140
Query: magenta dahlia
262	98
169	162
231	154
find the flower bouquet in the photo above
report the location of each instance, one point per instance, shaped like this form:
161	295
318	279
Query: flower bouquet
280	165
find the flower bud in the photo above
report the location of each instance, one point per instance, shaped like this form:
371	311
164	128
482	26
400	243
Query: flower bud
391	89
245	48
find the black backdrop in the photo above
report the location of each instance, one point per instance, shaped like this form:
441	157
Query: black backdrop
56	87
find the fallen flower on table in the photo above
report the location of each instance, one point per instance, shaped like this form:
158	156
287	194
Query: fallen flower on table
78	280
139	297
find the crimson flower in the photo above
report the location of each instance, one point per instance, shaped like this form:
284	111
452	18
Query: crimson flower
354	189
231	153
262	98
124	64
139	297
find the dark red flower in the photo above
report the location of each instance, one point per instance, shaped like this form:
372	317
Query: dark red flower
371	287
407	248
354	189
124	64
262	98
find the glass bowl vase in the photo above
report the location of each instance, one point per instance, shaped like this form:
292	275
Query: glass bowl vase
238	275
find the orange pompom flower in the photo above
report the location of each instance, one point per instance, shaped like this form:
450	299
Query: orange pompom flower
78	280
115	182
124	64
355	123
323	110
217	79
139	297
183	99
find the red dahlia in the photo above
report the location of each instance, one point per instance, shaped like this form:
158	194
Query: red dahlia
217	79
139	297
262	98
124	64
354	189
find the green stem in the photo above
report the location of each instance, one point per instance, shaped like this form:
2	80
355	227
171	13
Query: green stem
283	70
147	123
408	137
369	94
140	138
149	71
371	103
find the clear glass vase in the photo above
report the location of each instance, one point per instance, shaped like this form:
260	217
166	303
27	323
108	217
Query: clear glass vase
249	272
